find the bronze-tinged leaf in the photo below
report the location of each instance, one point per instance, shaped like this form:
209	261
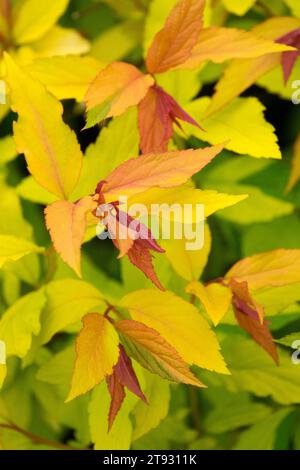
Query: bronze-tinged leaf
244	300
250	316
66	222
158	111
174	43
153	352
165	170
259	332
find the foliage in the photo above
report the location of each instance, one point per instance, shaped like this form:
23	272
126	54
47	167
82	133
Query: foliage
139	342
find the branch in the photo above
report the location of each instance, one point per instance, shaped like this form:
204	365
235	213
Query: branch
37	439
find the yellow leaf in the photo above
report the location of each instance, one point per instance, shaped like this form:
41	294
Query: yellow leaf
35	18
214	297
242	122
13	248
295	173
67	222
211	200
20	322
242	73
67	302
13	223
238	7
7	150
102	157
51	149
114	90
188	264
119	437
97	352
60	41
3	373
273	268
147	416
57	75
117	42
180	324
294	6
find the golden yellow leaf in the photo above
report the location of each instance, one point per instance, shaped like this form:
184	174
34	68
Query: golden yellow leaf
273	268
51	149
97	352
34	18
180	324
214	297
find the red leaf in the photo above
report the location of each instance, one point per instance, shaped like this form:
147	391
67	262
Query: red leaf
127	376
117	393
123	376
289	58
141	258
158	111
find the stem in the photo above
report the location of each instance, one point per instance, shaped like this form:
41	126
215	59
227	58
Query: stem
264	8
194	408
193	395
37	439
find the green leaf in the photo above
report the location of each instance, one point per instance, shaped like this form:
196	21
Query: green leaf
13	249
262	436
20	322
119	438
148	416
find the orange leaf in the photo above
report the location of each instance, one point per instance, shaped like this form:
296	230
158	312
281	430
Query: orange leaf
66	222
97	352
174	43
116	88
164	170
154	353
